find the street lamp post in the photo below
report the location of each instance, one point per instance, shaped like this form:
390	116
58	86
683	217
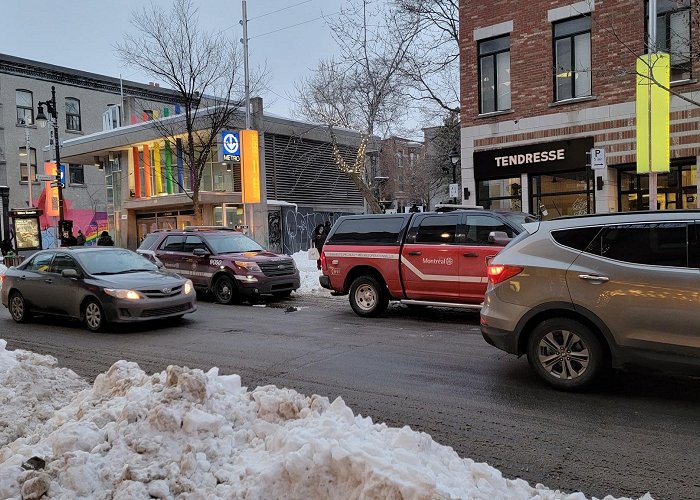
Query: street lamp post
41	120
454	159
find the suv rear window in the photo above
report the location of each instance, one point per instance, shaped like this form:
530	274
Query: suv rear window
578	238
369	231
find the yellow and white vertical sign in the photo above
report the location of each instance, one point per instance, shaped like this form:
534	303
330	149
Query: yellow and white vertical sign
250	166
51	207
653	113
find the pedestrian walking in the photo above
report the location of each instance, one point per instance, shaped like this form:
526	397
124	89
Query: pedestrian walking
105	240
319	239
80	240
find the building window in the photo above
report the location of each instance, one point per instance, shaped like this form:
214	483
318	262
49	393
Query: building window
494	74
562	194
673	35
500	194
676	189
112	118
72	114
572	58
23	176
25	107
399	159
77	174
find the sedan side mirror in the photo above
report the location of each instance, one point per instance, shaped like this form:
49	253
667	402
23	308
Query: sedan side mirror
70	273
201	252
499	238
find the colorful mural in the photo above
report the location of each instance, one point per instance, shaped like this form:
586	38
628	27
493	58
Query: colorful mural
90	222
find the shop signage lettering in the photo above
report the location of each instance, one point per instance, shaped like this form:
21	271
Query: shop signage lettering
537	157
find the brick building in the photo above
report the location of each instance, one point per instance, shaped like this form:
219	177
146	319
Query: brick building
544	81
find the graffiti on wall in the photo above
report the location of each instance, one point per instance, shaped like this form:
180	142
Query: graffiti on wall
274	230
298	226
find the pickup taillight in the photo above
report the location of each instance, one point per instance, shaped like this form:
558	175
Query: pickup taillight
499	272
323	260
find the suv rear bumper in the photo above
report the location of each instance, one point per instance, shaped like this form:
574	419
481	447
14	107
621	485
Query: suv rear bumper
502	339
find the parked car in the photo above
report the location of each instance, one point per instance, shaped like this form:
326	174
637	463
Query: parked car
226	262
97	285
428	259
578	295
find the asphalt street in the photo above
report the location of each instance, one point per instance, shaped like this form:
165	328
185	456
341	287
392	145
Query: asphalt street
429	369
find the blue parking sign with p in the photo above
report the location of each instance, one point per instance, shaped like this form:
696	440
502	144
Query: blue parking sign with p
230	146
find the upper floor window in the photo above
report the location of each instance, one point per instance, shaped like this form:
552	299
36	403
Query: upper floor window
76	173
25	107
494	74
72	114
399	158
673	35
572	58
23	171
112	118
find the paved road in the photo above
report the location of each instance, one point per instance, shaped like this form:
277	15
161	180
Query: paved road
430	370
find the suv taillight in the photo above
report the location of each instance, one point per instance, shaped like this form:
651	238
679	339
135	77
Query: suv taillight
499	272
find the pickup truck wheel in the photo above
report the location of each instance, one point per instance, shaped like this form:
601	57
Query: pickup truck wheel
368	297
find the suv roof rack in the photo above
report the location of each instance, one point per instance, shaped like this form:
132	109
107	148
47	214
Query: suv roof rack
209	228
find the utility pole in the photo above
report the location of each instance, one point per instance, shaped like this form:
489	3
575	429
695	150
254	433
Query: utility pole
653	178
28	150
244	41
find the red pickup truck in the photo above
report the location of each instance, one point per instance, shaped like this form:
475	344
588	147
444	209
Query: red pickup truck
430	259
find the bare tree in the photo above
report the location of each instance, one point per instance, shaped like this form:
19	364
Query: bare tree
431	69
201	67
361	89
439	143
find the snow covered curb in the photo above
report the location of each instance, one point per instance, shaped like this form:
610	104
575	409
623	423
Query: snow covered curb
184	433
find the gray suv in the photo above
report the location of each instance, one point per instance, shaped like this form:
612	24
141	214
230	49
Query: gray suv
581	294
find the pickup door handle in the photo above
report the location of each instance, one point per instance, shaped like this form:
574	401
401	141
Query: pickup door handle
414	252
590	277
471	254
48	280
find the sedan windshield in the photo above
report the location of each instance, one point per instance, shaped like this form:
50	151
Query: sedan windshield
115	261
233	244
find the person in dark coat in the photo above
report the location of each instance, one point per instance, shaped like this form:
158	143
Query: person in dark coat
105	240
319	239
6	246
70	240
81	238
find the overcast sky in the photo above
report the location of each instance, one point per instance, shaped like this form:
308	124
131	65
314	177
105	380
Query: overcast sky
81	34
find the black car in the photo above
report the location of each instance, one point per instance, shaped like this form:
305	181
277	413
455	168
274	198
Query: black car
96	285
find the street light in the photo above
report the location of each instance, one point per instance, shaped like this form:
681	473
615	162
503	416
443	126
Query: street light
454	159
41	120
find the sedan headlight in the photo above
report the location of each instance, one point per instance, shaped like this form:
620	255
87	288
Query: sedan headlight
123	294
188	287
250	266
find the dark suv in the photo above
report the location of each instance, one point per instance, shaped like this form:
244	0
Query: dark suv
228	263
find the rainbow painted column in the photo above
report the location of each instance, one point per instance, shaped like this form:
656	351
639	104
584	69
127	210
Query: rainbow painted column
180	173
157	168
137	173
168	167
147	170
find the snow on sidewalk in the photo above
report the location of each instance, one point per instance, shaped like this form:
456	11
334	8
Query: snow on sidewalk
308	274
184	433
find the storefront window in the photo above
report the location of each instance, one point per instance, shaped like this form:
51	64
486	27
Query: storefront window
676	190
500	194
566	193
233	216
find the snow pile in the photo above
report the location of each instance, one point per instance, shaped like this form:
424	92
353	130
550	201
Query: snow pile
32	388
308	274
184	433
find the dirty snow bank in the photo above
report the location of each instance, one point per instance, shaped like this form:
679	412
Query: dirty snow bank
308	274
184	433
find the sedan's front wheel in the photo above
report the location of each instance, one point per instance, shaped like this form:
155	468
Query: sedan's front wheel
94	316
565	353
18	308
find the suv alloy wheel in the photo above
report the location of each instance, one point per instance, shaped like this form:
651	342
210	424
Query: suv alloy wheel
565	353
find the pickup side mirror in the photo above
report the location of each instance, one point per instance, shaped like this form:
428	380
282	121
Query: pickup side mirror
201	252
499	238
70	273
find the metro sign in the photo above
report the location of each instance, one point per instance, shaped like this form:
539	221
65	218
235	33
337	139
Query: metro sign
230	146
